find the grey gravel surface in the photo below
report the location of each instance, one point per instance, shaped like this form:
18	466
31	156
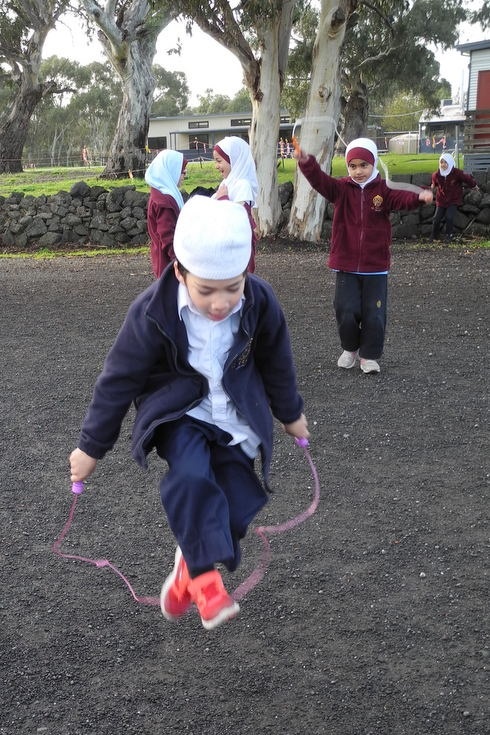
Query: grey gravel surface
371	618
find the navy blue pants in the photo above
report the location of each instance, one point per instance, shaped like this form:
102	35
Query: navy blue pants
210	492
447	213
360	310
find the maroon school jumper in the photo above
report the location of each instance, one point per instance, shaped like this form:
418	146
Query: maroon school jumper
251	262
450	188
361	227
161	218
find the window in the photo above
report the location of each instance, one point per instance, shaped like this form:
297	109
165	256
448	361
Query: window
193	124
199	142
158	144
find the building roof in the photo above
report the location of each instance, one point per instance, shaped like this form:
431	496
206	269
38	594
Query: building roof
447	113
467	48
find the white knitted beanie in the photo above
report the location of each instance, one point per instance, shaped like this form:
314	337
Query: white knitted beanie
213	238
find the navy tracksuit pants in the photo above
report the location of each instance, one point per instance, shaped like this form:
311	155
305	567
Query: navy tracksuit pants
210	493
447	213
360	310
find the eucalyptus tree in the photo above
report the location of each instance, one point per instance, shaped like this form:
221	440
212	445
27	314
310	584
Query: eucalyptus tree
257	32
24	25
211	104
128	31
86	116
387	50
94	111
240	102
171	94
51	125
322	113
481	15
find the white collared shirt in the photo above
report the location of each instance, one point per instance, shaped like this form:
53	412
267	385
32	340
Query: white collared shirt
209	345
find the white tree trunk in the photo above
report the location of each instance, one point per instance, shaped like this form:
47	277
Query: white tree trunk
128	34
264	133
271	21
320	121
266	107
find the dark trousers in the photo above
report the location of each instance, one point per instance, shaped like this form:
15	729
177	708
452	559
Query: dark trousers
447	213
360	310
210	492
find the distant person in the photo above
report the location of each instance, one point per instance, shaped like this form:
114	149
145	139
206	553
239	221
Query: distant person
85	158
447	184
164	175
360	247
234	161
205	355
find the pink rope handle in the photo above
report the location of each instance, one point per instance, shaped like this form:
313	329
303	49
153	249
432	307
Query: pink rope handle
245	587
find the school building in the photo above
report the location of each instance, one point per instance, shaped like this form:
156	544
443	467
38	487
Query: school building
444	131
477	125
195	135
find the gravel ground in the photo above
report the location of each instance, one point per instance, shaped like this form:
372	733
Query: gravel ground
370	619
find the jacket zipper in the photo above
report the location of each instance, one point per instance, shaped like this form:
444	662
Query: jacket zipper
361	235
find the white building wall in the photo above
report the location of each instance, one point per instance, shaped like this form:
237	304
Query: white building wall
180	131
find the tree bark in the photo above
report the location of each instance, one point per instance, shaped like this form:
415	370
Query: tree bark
129	42
264	132
23	55
356	112
319	125
13	132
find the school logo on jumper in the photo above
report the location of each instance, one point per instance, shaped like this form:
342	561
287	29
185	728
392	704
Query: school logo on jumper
377	203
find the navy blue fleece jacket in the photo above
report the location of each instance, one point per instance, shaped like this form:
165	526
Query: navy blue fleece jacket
148	365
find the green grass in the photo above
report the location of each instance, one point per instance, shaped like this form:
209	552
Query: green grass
88	252
49	181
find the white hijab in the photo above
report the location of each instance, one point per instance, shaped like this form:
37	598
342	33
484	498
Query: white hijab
369	145
164	173
242	180
450	164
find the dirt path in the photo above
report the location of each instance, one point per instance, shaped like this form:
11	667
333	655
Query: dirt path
371	617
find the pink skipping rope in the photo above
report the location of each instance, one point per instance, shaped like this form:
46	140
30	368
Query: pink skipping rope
247	585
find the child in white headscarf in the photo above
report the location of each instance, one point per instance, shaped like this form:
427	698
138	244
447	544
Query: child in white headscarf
447	183
164	175
234	161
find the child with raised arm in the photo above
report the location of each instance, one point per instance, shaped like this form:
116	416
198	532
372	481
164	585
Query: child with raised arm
205	355
360	248
164	175
447	183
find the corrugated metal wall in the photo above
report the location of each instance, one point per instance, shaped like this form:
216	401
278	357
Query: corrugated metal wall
480	61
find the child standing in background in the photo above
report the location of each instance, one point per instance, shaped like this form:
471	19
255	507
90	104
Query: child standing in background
447	183
360	248
234	161
164	175
205	355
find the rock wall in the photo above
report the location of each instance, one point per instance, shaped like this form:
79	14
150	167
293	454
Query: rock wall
472	217
111	218
83	215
